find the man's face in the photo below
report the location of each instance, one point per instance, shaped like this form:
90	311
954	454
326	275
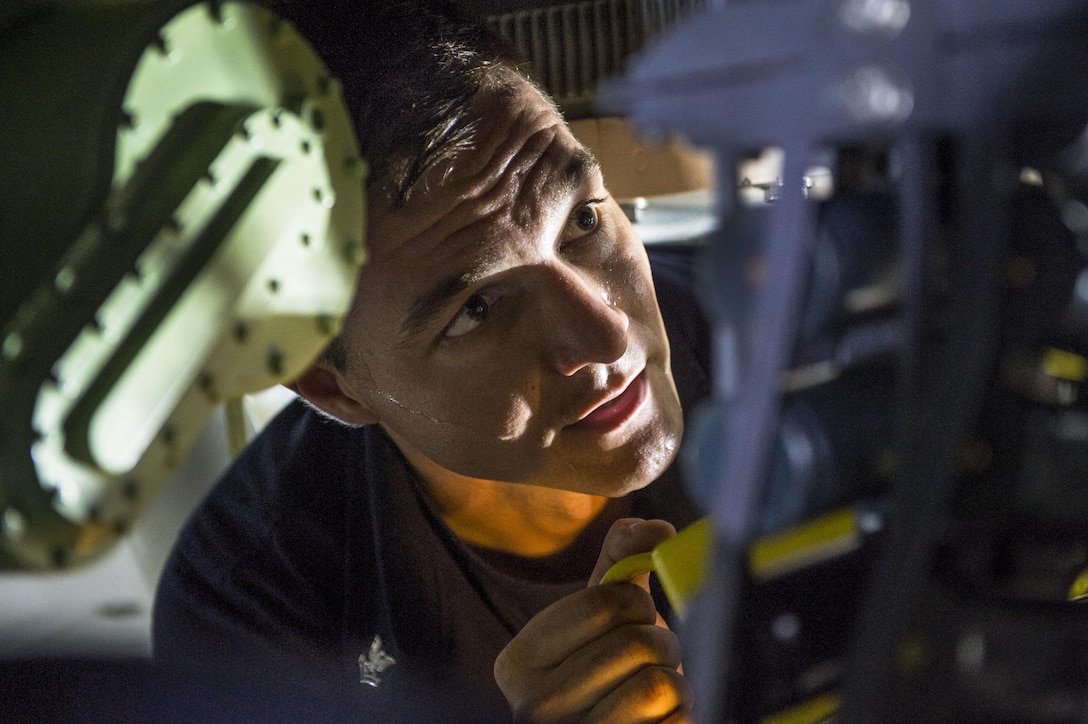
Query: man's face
505	325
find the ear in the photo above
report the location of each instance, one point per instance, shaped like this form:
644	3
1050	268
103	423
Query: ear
325	388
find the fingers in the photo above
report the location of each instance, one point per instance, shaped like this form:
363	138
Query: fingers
626	675
602	654
628	537
653	694
607	664
551	636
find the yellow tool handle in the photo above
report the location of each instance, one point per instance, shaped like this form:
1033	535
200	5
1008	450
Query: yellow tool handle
629	567
679	562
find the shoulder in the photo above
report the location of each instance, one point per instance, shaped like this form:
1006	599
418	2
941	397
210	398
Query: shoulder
258	569
292	473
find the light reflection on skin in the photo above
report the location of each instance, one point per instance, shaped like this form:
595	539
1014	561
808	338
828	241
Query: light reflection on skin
518	422
523	228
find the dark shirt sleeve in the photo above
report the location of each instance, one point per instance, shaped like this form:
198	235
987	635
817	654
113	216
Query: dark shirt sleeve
250	595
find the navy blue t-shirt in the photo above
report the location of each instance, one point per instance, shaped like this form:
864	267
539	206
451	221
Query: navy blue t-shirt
317	549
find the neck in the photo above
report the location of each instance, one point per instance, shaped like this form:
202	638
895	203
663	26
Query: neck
525	520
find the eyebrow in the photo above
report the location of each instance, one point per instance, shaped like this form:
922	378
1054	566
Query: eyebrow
581	167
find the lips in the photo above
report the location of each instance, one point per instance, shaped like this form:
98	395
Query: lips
613	413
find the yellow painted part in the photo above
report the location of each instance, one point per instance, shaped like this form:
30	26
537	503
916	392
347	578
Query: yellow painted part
1079	590
813	711
1065	365
825	537
679	562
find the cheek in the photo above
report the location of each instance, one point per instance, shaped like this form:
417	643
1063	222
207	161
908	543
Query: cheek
628	270
634	294
455	406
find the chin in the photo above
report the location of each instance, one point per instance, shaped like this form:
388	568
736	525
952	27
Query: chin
614	482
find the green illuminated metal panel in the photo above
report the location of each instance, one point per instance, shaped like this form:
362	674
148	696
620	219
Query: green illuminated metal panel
181	214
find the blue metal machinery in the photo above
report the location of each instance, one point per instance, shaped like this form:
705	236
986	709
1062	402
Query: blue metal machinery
908	354
895	456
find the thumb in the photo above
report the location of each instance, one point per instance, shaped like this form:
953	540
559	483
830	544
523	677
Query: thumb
628	537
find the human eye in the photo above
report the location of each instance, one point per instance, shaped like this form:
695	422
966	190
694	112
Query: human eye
584	220
471	315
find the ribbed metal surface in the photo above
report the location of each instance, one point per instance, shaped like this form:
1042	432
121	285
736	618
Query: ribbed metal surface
574	45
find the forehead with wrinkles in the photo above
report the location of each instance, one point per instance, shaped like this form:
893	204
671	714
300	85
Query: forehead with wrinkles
514	124
482	212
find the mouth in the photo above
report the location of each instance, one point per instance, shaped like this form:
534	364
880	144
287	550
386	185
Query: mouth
616	411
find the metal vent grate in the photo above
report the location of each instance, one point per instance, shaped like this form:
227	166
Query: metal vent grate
573	46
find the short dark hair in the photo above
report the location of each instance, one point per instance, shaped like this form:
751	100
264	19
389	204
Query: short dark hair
409	71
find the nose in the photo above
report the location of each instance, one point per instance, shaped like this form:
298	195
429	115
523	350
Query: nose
580	324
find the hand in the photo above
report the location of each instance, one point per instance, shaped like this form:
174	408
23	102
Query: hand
600	655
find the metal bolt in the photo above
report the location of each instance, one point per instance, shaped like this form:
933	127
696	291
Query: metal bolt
62	556
971	652
875	16
353	165
275	361
1080	287
215	10
161	44
13	524
130	490
325	199
207	384
870	522
1075	216
64	280
773	192
13	346
786	627
872	95
353	251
